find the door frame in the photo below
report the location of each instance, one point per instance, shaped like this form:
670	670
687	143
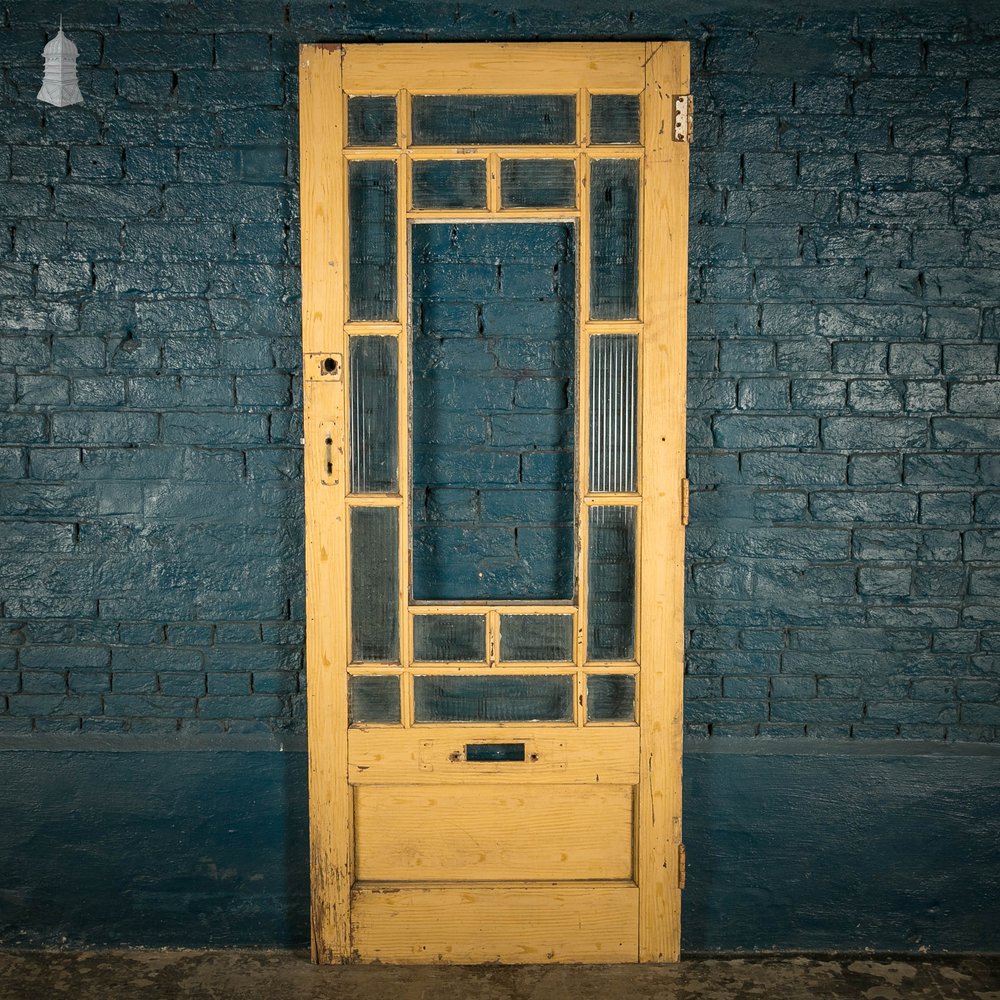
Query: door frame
661	71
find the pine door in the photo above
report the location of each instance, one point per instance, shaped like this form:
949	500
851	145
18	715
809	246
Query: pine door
494	272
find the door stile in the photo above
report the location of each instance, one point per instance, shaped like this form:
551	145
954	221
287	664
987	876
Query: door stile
323	311
661	559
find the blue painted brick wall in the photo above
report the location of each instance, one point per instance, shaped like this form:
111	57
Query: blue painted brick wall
844	549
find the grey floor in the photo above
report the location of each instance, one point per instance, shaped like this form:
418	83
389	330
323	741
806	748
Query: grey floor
275	975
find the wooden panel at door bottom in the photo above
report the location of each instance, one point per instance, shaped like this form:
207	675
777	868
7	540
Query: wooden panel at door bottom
493	832
436	755
581	922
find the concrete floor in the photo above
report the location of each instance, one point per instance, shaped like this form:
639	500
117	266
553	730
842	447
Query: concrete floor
277	975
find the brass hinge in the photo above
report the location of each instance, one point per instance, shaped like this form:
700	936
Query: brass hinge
681	866
683	117
685	501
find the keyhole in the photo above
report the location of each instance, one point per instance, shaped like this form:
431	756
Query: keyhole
330	366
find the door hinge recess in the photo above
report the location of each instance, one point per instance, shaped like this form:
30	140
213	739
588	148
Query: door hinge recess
681	866
685	501
683	117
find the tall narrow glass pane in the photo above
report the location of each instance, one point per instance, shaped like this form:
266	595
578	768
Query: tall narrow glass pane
372	215
537	183
449	183
613	412
371	121
536	637
499	120
374	584
611	584
374	428
373	699
477	698
611	698
449	638
614	239
614	118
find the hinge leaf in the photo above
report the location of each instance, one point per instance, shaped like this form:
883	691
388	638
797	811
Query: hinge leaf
683	117
681	866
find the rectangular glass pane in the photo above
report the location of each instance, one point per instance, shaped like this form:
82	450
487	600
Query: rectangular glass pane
373	699
538	183
536	637
374	584
611	584
614	239
611	698
371	121
498	120
449	183
493	699
372	213
493	362
449	638
614	361
374	431
614	119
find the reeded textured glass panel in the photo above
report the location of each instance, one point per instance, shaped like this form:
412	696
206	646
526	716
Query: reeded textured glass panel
371	121
614	236
613	396
614	119
373	699
372	215
493	699
374	583
611	584
611	698
538	183
536	637
498	120
449	638
374	428
449	183
493	360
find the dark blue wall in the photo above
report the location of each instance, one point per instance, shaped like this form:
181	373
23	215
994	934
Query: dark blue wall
844	550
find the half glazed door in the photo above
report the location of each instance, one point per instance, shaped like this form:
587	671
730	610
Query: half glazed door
494	271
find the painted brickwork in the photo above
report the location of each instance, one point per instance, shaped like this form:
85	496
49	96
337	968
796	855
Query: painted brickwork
845	440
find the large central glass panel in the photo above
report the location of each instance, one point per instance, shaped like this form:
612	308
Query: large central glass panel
493	330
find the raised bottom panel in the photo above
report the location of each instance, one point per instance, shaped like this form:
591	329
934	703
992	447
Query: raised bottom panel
583	922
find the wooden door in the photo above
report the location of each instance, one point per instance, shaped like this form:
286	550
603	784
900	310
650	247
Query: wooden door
494	319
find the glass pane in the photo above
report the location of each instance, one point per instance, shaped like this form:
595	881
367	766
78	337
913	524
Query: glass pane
371	121
374	584
611	698
374	433
613	384
372	211
611	584
373	699
499	120
614	227
449	183
614	118
493	699
536	637
538	183
493	357
447	638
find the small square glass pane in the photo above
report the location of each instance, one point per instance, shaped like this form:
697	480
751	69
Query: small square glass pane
449	183
449	638
538	183
373	699
371	121
614	119
611	698
536	637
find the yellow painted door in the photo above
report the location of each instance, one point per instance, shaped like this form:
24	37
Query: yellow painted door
494	321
